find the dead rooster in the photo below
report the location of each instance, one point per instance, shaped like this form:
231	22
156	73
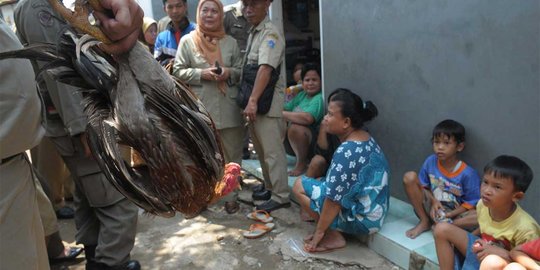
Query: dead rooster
132	100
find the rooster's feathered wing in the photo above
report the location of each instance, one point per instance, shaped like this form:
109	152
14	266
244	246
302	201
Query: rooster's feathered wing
133	101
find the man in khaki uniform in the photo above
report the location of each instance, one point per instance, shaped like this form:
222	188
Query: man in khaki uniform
55	177
56	250
266	47
106	221
22	242
236	25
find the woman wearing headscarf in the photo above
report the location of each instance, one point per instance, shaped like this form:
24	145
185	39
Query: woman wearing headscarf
210	61
149	33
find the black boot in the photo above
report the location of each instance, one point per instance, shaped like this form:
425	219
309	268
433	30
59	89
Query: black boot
132	265
129	265
263	195
90	252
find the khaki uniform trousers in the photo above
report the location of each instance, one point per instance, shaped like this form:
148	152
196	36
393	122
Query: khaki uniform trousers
51	167
103	216
46	211
232	139
267	134
22	242
53	242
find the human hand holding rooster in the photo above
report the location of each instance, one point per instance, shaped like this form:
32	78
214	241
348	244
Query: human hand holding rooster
123	27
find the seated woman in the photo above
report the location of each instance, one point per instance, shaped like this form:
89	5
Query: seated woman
303	114
210	61
354	196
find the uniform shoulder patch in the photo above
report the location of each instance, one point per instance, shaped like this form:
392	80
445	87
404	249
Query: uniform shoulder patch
273	36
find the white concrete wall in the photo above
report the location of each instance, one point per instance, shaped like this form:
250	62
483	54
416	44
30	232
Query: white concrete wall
146	5
424	61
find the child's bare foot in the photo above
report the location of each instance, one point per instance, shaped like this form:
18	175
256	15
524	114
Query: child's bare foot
418	229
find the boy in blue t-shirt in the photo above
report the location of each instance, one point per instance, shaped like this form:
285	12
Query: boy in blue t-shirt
446	189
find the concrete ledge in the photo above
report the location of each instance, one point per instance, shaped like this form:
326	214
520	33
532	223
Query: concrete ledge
391	241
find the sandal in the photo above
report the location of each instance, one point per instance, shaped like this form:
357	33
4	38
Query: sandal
257	230
261	216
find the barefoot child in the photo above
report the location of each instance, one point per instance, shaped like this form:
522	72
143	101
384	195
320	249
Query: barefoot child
503	224
446	189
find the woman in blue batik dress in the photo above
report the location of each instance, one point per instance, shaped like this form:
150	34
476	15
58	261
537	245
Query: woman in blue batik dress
353	197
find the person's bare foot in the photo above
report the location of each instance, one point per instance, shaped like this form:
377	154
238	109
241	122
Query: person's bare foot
331	241
421	227
308	238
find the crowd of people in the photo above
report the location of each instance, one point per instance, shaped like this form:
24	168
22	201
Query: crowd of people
343	174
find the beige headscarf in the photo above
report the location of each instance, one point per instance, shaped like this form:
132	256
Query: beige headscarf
207	40
147	22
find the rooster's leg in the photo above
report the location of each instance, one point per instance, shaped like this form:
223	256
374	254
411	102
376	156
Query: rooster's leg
79	17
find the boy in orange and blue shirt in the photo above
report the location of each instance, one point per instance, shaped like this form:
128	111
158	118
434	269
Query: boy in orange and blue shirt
446	189
503	224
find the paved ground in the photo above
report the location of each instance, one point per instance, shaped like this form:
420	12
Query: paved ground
214	240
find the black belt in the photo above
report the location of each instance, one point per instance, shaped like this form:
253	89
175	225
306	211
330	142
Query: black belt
6	160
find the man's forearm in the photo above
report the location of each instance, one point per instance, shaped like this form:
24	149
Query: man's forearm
261	81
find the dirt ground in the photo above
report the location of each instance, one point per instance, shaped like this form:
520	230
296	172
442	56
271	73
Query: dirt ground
214	240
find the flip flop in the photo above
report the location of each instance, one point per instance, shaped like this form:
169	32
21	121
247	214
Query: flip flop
257	230
261	216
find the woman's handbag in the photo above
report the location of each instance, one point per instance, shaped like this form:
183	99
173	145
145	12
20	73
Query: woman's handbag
249	73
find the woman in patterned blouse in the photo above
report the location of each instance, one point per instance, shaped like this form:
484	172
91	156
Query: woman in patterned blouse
353	197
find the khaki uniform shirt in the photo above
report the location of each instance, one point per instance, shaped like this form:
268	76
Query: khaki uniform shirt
267	46
188	66
20	107
36	22
236	25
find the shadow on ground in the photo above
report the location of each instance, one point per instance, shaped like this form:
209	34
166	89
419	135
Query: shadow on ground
214	240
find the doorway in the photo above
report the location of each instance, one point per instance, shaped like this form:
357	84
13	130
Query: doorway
301	26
